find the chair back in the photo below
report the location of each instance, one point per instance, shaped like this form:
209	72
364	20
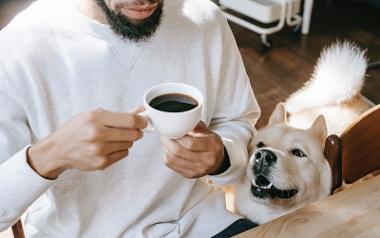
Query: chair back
361	146
356	153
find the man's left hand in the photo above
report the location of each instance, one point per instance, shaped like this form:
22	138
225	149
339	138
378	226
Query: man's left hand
197	154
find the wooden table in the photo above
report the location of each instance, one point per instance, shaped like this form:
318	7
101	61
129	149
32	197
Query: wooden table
354	212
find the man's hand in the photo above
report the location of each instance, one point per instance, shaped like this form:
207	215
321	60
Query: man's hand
91	140
195	155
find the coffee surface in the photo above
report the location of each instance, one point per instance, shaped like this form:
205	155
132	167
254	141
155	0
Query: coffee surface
173	102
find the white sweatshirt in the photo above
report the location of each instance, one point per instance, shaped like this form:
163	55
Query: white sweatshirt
55	62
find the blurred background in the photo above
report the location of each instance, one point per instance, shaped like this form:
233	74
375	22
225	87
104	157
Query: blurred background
277	71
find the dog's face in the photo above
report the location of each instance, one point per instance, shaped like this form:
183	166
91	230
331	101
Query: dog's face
287	165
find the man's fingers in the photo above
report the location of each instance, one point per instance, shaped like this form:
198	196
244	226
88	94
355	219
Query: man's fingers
122	135
120	120
176	149
201	130
181	166
183	172
113	147
138	109
201	127
116	156
193	143
173	160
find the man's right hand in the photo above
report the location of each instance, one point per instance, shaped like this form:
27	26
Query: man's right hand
90	141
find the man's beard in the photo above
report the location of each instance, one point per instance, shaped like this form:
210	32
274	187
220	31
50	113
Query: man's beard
124	27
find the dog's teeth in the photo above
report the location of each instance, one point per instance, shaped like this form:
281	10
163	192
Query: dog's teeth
263	187
268	186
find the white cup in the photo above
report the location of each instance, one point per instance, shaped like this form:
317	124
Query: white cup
173	125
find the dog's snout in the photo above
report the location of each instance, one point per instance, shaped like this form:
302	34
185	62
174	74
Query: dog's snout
258	155
265	157
269	156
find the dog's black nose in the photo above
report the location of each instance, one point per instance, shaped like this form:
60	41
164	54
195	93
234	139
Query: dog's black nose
263	159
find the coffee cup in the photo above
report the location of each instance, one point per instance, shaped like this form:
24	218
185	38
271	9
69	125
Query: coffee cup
173	109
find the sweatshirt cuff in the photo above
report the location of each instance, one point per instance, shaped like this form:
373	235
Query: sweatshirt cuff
238	158
18	165
20	184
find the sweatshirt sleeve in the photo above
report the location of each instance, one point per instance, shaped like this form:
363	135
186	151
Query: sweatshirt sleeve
236	109
20	186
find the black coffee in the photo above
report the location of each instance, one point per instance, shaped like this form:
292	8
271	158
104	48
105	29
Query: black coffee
174	102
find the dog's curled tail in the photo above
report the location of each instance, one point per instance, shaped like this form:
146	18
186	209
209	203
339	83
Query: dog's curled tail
338	77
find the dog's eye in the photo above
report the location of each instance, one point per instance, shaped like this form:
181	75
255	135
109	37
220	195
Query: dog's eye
298	153
260	144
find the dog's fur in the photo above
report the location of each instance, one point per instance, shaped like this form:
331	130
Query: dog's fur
333	90
333	93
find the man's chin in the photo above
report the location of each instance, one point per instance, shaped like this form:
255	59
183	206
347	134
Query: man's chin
137	23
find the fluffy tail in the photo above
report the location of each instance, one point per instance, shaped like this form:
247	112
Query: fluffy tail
338	77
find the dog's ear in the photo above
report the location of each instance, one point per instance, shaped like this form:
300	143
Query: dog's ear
278	115
319	128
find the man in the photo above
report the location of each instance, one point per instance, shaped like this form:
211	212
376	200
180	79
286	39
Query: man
71	71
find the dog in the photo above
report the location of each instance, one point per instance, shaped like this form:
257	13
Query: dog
287	168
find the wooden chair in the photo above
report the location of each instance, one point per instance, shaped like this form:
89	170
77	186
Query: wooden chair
356	153
361	146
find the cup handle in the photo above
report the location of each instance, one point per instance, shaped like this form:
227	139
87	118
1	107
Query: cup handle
149	128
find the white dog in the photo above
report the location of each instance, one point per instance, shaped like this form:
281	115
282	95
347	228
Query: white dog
287	168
